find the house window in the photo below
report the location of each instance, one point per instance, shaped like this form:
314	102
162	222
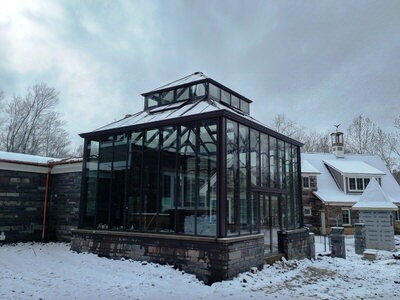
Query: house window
307	211
306	182
346	220
357	184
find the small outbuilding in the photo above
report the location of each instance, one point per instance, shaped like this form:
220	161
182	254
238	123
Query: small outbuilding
376	212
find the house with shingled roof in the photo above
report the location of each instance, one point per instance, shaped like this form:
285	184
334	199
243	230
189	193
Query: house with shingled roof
333	182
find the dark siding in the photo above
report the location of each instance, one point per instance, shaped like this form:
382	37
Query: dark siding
21	205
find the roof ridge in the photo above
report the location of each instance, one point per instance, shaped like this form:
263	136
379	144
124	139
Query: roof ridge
167	84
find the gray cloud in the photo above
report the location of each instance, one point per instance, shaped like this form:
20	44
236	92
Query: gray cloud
319	62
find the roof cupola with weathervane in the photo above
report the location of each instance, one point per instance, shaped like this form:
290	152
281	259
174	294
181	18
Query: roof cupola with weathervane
337	143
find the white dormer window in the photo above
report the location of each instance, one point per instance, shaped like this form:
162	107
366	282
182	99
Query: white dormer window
357	184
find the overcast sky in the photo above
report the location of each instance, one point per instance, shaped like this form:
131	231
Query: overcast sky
318	62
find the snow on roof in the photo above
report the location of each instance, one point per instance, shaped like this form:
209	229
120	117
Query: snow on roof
184	110
197	76
353	167
329	192
374	198
145	117
307	168
25	158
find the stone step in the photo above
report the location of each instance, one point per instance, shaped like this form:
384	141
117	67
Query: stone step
270	258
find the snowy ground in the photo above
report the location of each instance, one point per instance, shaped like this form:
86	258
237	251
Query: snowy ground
51	271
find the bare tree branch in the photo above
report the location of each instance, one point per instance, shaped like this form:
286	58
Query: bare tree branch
32	126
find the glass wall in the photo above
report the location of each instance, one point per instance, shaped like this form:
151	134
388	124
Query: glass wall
257	162
196	91
164	180
153	180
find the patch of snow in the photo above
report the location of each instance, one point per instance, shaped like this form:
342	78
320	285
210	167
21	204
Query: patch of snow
52	271
20	157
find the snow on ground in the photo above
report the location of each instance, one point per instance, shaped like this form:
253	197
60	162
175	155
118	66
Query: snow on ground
52	271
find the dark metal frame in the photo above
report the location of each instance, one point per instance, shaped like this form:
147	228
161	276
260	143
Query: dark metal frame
221	116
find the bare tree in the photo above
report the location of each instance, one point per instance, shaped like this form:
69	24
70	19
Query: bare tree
385	146
365	137
32	126
360	136
287	127
316	142
396	143
1	108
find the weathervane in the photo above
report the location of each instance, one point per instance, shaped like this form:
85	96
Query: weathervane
337	126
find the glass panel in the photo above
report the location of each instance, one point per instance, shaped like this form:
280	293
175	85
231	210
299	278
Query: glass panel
104	180
352	184
270	221
366	182
232	178
88	206
186	198
274	221
295	188
255	224
167	97
289	186
182	94
255	157
225	97
244	106
264	157
360	185
281	165
206	211
273	157
150	180
118	182
168	178
215	92
198	90
135	220
245	212
235	102
152	100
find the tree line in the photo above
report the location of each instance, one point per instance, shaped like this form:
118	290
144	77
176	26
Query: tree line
362	136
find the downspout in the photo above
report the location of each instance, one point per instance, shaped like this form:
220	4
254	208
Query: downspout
46	196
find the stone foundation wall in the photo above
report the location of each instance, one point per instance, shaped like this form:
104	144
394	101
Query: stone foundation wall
210	259
297	244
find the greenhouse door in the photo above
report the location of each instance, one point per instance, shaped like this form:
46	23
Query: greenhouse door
270	221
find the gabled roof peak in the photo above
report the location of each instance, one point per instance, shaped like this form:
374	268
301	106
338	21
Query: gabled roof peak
373	198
